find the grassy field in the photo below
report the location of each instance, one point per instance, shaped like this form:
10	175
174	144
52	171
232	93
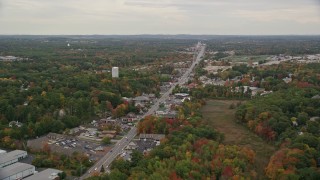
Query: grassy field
221	118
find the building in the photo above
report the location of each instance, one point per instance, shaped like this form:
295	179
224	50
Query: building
15	124
16	171
170	115
12	157
141	99
181	95
132	146
115	72
287	80
44	175
153	137
316	97
55	136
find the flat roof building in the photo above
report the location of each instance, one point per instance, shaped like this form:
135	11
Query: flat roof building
155	137
16	171
115	72
45	175
12	157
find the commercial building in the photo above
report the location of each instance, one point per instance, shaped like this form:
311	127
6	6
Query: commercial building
16	171
45	175
115	72
12	157
153	137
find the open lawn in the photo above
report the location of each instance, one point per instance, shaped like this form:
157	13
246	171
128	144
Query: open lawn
218	114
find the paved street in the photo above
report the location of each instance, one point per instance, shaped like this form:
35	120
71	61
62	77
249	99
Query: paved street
121	144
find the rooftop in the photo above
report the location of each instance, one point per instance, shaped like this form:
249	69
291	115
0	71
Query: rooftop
46	174
152	136
10	156
316	97
145	145
141	98
14	169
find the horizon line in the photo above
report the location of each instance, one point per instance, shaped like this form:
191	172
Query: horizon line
160	34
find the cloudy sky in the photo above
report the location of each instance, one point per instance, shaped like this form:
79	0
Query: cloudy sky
236	17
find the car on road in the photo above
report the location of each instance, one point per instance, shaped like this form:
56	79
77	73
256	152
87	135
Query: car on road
95	168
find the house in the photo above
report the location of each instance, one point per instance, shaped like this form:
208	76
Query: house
254	90
126	99
94	123
255	64
55	136
316	97
132	146
16	171
150	96
108	121
141	99
15	123
170	115
181	95
99	148
266	93
47	174
130	117
315	118
287	80
109	134
160	113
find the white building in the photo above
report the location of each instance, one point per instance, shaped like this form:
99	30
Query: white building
12	157
115	72
45	175
16	171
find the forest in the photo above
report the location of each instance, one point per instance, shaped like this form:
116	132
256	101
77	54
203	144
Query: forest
191	150
66	81
265	45
289	118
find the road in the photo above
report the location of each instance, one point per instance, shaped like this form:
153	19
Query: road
121	144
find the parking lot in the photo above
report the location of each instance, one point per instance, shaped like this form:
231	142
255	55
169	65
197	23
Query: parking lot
68	145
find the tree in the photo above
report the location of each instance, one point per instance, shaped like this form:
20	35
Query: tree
116	174
122	165
102	170
106	140
62	175
136	157
302	118
46	148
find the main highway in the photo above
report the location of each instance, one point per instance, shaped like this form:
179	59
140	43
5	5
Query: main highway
107	159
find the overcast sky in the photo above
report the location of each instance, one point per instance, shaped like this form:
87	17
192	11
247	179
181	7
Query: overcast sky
238	17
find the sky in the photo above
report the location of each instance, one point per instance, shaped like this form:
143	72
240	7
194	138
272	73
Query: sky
212	17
